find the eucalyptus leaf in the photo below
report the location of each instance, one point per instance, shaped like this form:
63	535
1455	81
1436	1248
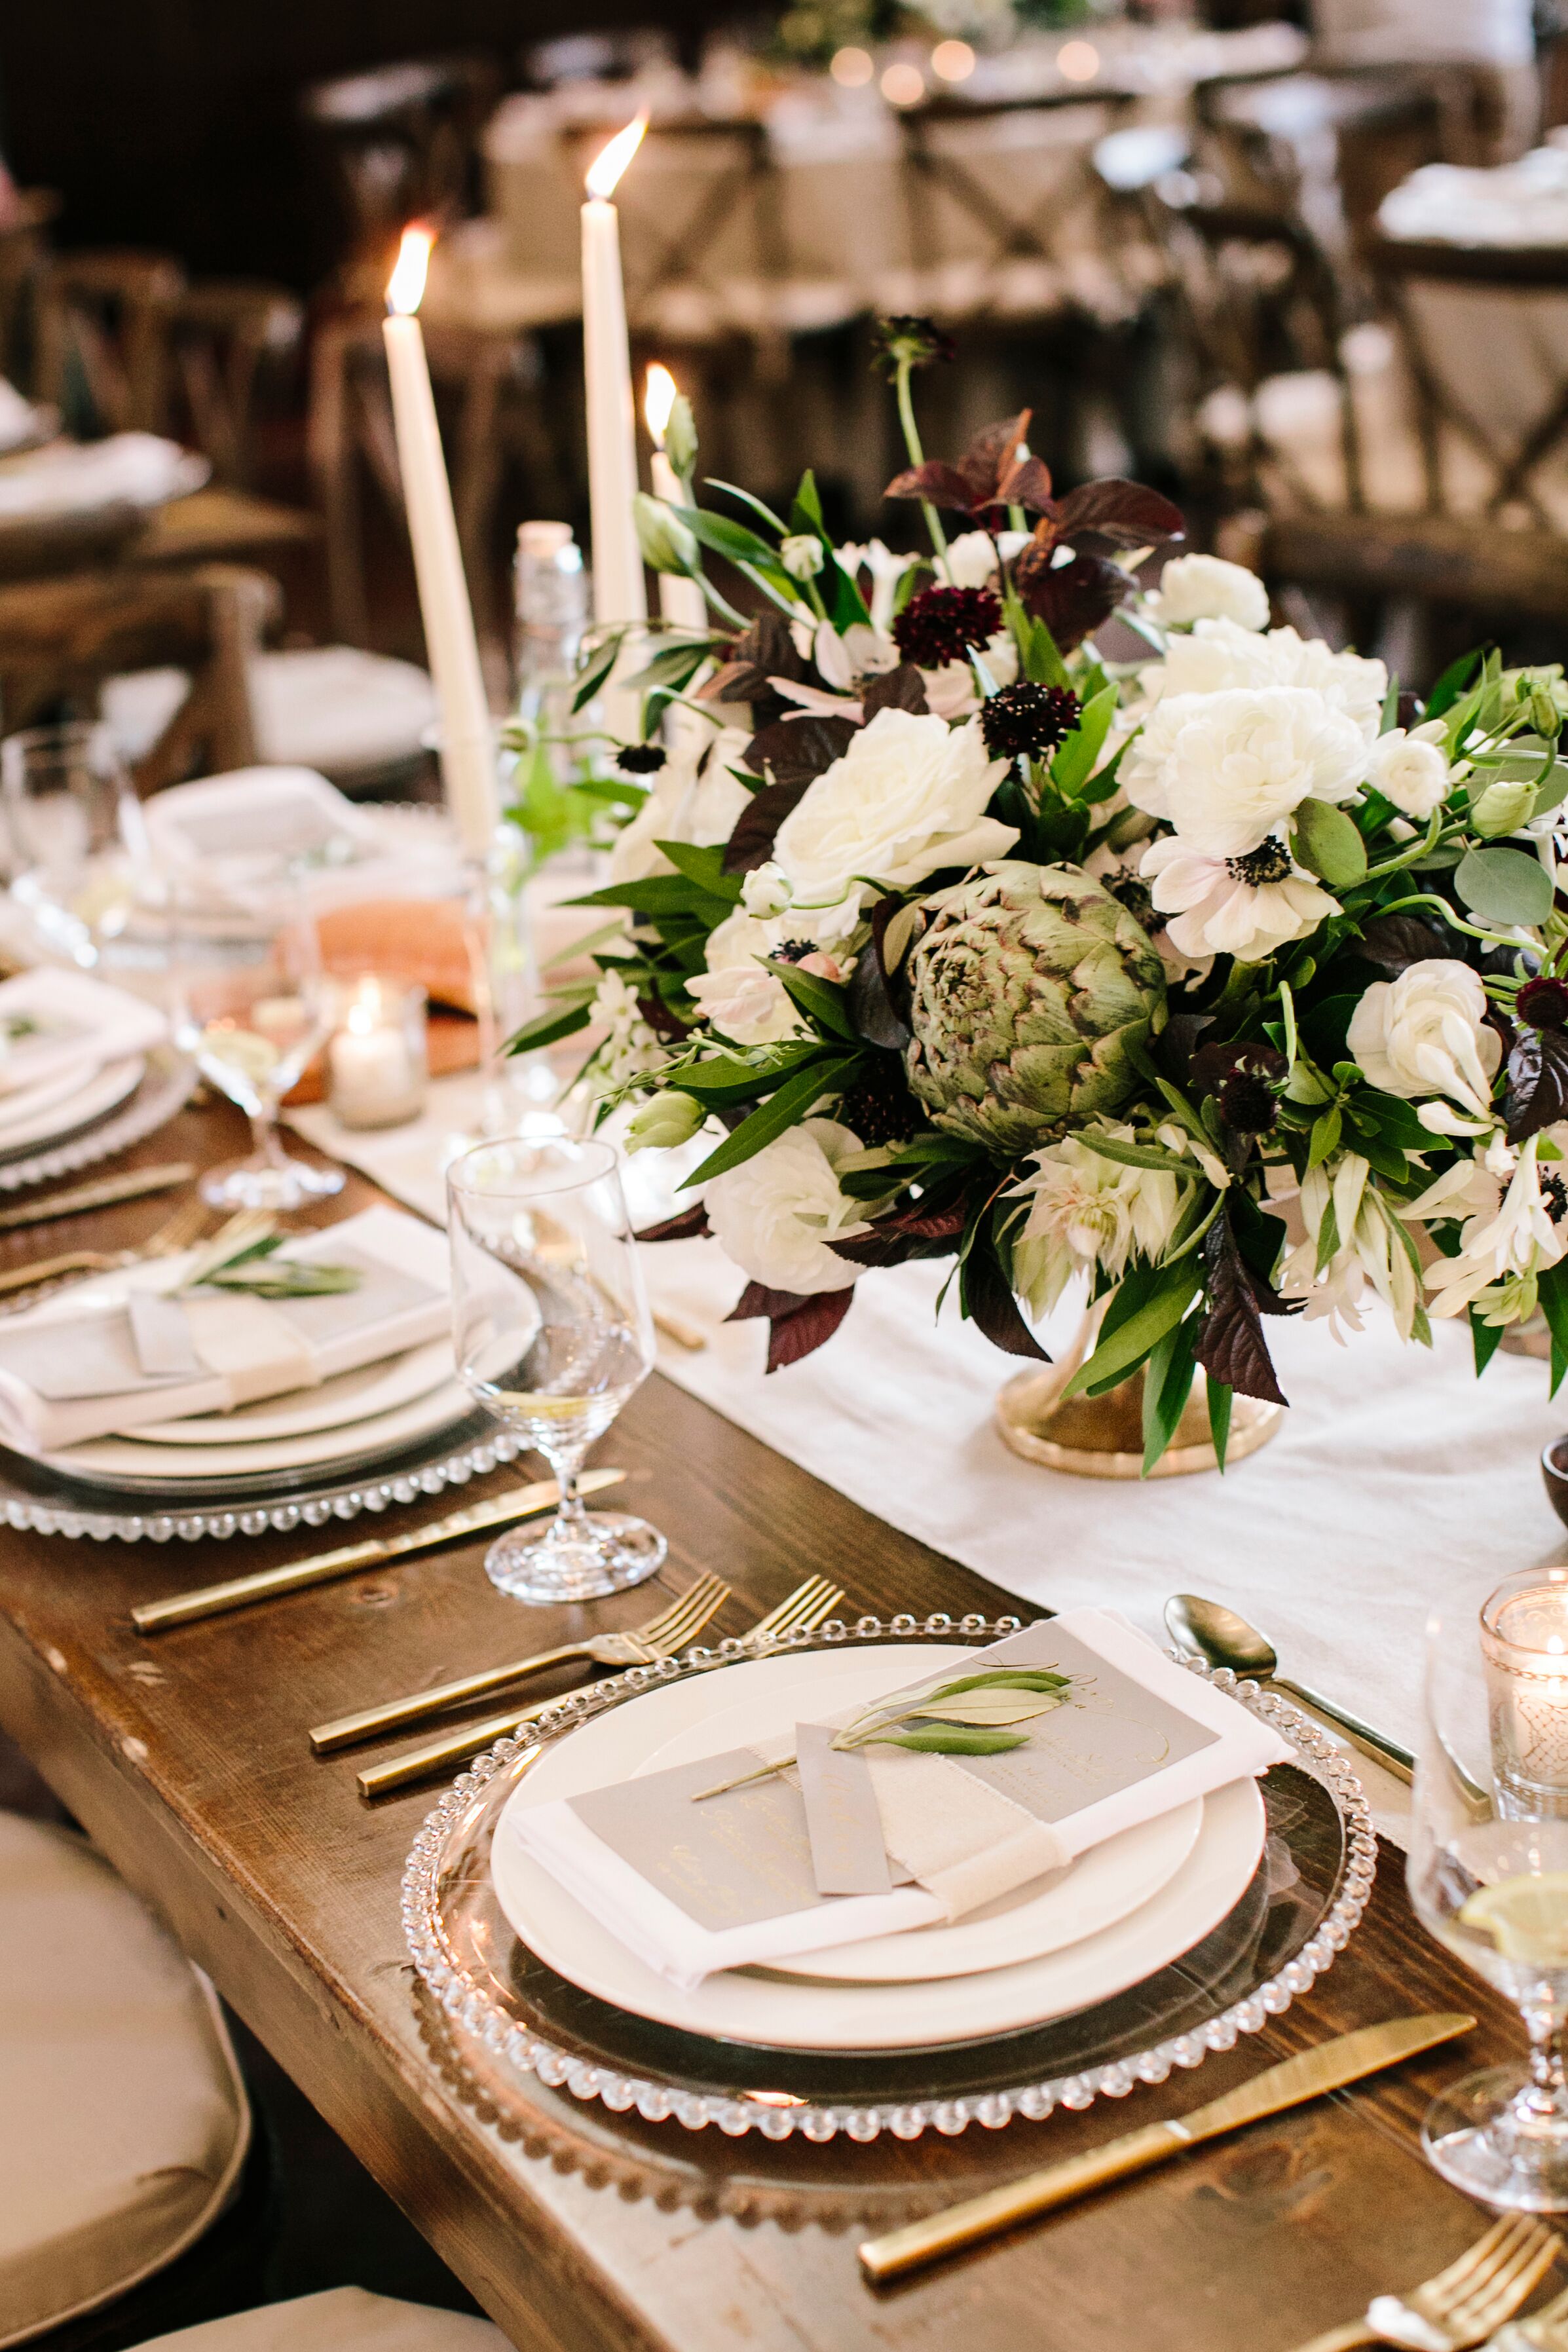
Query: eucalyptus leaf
1328	845
1504	886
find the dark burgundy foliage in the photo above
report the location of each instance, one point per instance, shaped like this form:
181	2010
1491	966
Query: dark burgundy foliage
988	1295
1123	514
1024	720
756	828
1070	598
1394	942
763	652
1543	1003
1230	1342
896	689
939	624
797	1325
1537	1082
1177	1043
874	1011
689	1226
641	759
662	1018
913	1231
989	477
1243	1080
799	750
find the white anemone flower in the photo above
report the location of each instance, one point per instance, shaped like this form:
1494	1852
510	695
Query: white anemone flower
1086	1212
1245	907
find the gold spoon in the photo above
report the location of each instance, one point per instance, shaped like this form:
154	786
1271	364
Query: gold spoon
1207	1628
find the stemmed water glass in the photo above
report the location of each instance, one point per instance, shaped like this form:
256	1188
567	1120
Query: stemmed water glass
1488	1875
76	837
552	1334
249	1001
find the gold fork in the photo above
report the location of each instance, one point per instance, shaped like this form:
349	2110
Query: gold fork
1464	2304
802	1611
177	1232
641	1646
1544	2331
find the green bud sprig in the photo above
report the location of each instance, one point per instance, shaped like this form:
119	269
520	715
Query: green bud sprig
972	1717
260	1273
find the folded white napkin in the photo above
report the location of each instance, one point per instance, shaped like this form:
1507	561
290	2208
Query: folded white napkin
137	469
951	1822
69	1375
77	1021
347	851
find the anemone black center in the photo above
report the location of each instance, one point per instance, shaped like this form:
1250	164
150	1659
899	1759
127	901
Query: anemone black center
1270	862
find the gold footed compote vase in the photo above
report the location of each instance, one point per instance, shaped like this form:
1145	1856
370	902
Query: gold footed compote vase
1102	1436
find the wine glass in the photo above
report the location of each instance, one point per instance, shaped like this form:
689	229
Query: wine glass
552	1334
250	1003
1488	1873
77	835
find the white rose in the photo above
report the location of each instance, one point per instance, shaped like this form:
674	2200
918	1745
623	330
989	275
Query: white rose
694	797
1425	1033
1241	907
1225	768
952	690
907	798
1218	655
972	557
1409	769
775	1215
1207	588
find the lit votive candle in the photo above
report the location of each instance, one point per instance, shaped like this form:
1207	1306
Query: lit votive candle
1524	1643
377	1065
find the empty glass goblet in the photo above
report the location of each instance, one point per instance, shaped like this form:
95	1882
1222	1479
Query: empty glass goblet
552	1334
1488	1873
249	1001
80	848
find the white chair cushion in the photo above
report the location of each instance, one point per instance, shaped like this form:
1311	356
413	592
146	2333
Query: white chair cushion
342	2320
334	708
125	2122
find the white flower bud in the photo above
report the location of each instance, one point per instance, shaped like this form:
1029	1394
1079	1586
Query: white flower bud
1502	808
669	1119
803	555
664	541
765	890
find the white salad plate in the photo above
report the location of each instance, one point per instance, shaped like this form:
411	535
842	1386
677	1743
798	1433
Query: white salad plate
768	2006
106	1088
24	1103
122	1463
346	1398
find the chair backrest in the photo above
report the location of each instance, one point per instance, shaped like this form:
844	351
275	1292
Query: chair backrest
990	184
62	639
225	337
839	195
102	340
402	142
23	255
697	208
1485	337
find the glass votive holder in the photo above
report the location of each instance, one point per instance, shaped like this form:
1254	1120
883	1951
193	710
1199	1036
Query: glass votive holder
1524	1647
377	1067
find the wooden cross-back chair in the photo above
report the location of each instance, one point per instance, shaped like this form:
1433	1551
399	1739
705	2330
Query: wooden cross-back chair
62	639
223	336
102	338
25	217
400	141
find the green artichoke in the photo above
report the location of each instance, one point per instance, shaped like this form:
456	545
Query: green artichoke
1027	985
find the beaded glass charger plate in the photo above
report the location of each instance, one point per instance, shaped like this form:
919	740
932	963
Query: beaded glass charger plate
511	2017
164	1088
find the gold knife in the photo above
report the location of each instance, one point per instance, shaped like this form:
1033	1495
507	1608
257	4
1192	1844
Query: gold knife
102	1194
267	1583
1328	2067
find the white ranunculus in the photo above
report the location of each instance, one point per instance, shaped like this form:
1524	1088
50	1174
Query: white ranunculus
1425	1033
1225	769
1218	655
952	691
694	797
1086	1211
1410	770
860	652
1241	907
775	1215
1207	588
972	557
907	798
746	1002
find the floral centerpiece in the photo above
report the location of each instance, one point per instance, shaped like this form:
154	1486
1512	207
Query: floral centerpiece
967	943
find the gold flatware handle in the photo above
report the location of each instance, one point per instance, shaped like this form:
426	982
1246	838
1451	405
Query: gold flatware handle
418	1763
323	1567
685	1334
348	1730
1342	2339
134	1185
44	1269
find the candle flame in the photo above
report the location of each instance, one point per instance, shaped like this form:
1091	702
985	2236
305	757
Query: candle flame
658	399
604	172
406	286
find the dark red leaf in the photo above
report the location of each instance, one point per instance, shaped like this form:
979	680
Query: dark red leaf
992	456
1394	942
765	650
977	480
914	1231
989	1302
662	1018
1537	1082
896	689
942	484
1026	483
799	750
791	1337
690	1225
1125	513
1230	1343
756	828
1178	1042
1070	598
757	1300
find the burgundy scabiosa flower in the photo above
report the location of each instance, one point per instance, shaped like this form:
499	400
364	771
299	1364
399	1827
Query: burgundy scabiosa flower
1024	720
939	624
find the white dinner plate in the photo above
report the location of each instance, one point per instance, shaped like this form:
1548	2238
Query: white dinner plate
24	1103
95	1100
1100	1887
349	1397
120	1462
765	2007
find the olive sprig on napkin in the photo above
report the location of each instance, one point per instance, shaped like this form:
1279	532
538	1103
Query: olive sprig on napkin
257	1270
972	1717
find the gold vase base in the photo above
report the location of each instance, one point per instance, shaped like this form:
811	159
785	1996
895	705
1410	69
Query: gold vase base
1102	1436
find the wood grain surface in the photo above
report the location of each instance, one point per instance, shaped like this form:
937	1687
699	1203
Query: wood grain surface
185	1758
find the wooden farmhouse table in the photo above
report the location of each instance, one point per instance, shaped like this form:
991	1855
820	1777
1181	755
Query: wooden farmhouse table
184	1757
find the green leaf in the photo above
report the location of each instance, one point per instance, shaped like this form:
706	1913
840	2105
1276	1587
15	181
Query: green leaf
1552	1290
549	1028
784	1109
1326	1132
1221	1396
1486	1338
1041	1678
1328	845
1126	1347
1071	768
819	999
597	671
1504	886
1167	1384
740	546
984	1710
661	894
805	515
703	867
950	1741
1452	684
734	490
1139	1155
